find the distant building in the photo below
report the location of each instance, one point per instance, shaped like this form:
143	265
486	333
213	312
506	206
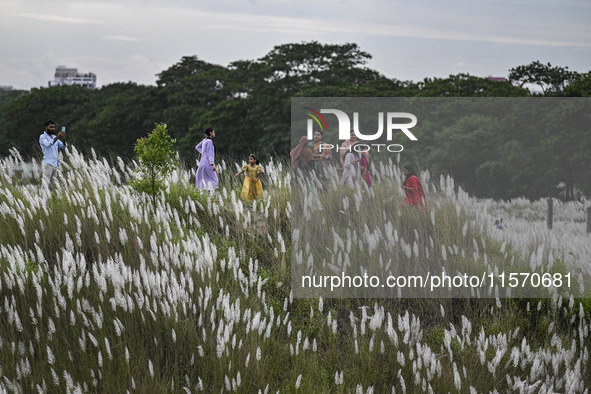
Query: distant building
7	92
71	77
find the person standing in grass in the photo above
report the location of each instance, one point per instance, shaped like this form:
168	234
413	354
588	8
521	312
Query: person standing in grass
363	155
347	146
415	196
301	155
206	177
50	144
364	170
320	153
251	188
364	173
350	175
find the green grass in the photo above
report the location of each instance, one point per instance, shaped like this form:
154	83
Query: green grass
72	279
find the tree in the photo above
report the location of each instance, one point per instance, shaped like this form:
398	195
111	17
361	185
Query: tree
156	160
566	143
463	147
298	64
580	86
189	90
116	117
465	85
551	80
188	66
22	119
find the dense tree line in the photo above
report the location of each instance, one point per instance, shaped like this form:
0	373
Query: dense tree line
249	104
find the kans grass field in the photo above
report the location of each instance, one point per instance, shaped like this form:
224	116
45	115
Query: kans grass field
103	291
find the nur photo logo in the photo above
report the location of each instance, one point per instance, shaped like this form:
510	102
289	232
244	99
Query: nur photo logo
392	120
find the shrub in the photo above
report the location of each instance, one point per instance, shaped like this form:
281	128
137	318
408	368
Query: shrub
156	159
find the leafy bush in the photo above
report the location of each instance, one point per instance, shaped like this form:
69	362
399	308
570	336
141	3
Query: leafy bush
156	159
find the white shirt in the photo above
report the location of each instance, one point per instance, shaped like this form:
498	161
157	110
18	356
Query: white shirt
50	149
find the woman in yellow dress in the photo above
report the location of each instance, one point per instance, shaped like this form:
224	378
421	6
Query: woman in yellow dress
252	188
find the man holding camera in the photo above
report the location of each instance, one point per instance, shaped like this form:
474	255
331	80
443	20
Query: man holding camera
50	144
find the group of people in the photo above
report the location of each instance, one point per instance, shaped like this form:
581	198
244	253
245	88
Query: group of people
499	224
307	154
312	155
206	176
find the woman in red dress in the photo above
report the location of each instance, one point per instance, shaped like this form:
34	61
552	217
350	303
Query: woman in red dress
415	196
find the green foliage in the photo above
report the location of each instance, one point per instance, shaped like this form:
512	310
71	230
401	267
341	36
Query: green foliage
119	114
156	160
512	148
248	103
580	86
144	295
552	80
22	120
467	139
465	85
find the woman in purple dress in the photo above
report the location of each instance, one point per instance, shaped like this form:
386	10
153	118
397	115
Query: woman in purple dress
206	177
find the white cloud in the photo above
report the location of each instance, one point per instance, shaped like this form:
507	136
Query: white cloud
297	26
58	18
122	38
408	40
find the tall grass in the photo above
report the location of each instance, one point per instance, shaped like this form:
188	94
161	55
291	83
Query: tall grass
357	230
103	291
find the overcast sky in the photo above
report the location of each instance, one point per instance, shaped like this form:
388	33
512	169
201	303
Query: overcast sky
124	41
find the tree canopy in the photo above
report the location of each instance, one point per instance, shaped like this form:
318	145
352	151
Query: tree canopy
248	102
552	80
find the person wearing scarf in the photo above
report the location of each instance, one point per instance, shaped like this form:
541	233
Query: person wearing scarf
351	169
319	154
415	196
348	145
301	155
